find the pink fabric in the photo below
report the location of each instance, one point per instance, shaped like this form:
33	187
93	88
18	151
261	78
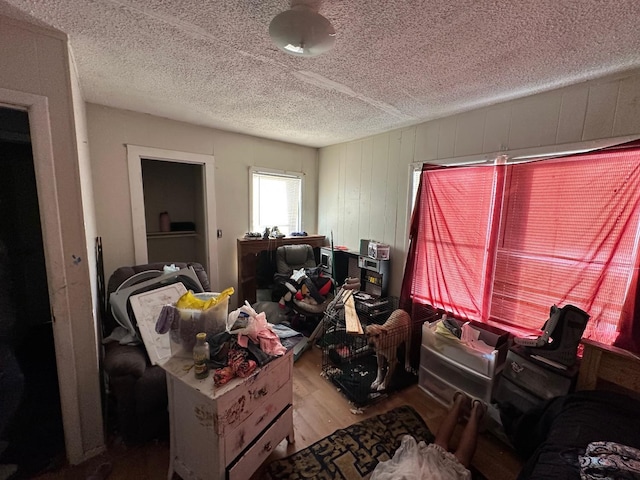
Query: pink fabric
259	331
504	243
223	375
451	239
240	364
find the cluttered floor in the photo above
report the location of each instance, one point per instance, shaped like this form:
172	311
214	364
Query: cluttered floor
319	410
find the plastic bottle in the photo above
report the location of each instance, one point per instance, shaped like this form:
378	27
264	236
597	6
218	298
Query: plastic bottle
201	356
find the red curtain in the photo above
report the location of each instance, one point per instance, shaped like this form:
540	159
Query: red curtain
452	226
504	243
418	310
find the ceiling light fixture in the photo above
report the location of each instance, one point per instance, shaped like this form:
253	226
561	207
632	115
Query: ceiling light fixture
302	31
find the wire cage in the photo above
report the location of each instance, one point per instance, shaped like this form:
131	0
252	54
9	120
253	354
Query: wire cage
350	361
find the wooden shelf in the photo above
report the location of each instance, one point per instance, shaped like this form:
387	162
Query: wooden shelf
186	233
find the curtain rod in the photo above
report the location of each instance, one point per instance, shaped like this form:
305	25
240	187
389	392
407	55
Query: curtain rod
534	153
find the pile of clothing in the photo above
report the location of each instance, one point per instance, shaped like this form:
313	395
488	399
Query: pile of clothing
250	342
308	285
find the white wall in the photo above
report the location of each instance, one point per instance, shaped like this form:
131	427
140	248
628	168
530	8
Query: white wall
35	74
111	129
84	172
363	185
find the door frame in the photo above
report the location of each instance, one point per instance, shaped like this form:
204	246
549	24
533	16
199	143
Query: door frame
135	155
37	108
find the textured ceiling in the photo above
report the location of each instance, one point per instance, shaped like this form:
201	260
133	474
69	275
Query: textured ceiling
395	63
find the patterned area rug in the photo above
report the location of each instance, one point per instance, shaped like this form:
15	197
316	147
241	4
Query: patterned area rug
353	452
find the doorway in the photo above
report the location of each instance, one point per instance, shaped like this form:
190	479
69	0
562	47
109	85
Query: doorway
154	188
34	436
174	211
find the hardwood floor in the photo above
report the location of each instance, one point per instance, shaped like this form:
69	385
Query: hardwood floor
319	410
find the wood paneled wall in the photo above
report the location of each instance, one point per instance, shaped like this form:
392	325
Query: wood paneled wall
364	184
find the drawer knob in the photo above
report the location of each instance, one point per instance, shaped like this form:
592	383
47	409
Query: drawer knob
268	447
260	393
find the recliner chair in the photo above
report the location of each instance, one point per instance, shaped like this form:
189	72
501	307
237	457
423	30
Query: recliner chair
296	257
137	388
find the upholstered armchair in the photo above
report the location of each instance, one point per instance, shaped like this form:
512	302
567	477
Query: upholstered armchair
294	257
137	390
291	258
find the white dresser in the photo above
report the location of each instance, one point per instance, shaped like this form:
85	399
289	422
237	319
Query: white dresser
228	431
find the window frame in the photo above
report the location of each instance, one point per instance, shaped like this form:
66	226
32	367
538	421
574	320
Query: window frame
281	174
415	169
511	163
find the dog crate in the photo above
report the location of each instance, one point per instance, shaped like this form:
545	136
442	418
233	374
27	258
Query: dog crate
349	360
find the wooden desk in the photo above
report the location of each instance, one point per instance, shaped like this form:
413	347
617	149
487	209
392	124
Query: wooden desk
248	251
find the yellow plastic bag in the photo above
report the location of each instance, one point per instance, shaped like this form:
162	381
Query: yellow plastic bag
189	301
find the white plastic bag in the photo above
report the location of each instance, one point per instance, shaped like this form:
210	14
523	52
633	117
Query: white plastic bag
258	330
419	461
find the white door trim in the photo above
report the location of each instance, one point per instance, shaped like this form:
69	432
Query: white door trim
41	143
135	154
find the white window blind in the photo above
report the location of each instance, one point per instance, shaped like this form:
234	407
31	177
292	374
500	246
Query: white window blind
276	201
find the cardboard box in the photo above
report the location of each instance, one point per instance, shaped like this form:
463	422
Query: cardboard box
494	336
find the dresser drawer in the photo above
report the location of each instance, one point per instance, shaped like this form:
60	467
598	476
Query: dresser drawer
435	387
460	378
237	439
258	452
509	392
238	404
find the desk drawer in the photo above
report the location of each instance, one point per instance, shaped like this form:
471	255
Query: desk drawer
258	452
236	406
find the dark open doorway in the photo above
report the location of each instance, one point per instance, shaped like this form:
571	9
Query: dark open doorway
34	438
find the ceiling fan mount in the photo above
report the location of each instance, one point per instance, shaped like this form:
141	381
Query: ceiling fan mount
302	31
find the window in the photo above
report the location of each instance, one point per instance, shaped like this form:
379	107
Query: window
454	221
276	200
415	172
569	229
504	243
414	183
